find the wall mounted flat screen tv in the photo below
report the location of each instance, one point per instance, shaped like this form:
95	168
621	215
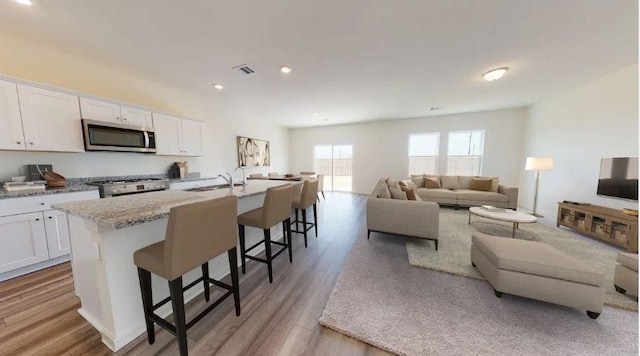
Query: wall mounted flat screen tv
619	178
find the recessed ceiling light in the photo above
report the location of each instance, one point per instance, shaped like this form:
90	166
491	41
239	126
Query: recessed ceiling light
285	69
435	108
24	2
218	86
494	74
315	114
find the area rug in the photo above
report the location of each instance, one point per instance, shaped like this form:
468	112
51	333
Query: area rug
455	248
382	300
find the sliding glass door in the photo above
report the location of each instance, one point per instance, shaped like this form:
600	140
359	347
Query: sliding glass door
335	162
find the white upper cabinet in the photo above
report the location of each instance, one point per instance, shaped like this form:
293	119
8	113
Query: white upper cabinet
176	136
50	119
136	117
191	138
105	111
99	110
11	134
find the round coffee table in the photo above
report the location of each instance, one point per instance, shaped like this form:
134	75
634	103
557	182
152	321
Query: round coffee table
507	215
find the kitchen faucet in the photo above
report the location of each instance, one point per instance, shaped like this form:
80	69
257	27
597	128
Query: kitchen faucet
229	179
244	180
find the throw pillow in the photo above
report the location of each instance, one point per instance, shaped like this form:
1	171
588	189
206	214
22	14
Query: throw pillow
481	184
432	183
418	180
494	184
449	182
392	182
408	184
411	195
397	193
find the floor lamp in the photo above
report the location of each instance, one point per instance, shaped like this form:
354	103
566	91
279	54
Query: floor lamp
538	164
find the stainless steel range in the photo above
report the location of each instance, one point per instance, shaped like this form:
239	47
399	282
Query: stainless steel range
113	188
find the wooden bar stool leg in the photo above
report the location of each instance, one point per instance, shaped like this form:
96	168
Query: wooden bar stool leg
242	250
205	280
315	218
267	249
147	302
177	301
288	223
233	265
304	226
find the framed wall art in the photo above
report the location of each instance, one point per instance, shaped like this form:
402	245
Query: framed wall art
253	152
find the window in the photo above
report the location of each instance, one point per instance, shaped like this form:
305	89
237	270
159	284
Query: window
465	153
335	162
423	153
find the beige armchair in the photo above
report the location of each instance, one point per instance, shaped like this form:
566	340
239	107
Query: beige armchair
413	218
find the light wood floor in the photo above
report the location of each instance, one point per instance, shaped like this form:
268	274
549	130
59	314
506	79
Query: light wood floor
38	311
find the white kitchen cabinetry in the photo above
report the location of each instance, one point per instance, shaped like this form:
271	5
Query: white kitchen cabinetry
11	134
57	229
50	119
105	111
32	235
176	136
23	241
136	117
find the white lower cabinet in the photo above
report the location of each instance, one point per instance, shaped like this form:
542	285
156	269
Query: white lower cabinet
23	241
57	228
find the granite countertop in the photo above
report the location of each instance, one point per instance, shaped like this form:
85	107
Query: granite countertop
68	189
121	212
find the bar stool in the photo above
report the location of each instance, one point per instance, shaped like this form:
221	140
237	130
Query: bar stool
276	208
196	233
306	199
321	186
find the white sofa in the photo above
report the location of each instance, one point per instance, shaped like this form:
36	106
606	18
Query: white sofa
455	191
413	218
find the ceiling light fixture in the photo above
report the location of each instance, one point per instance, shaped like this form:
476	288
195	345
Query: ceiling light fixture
315	114
494	74
285	69
218	86
24	2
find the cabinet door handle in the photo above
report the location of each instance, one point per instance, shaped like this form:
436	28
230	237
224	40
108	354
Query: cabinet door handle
41	203
19	142
50	217
31	143
37	219
124	118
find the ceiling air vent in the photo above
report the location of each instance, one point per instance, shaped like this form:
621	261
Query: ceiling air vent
244	69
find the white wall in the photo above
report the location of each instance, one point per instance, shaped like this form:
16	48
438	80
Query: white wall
381	148
578	128
48	66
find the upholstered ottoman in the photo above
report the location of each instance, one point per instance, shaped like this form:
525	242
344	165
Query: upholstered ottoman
538	271
626	277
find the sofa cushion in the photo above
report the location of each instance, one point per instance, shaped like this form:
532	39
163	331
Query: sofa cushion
481	184
382	189
535	258
449	182
629	260
418	180
392	182
437	193
464	182
397	193
467	194
494	184
432	183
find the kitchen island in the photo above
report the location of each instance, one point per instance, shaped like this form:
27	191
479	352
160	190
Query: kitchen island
106	232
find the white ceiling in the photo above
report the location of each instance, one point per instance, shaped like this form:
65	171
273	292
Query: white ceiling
352	60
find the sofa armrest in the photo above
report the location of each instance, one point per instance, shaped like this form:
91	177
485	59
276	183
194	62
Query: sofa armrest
404	217
512	193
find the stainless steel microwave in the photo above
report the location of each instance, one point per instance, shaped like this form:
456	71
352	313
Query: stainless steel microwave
107	136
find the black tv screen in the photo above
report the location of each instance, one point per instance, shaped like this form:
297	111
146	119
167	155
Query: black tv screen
619	177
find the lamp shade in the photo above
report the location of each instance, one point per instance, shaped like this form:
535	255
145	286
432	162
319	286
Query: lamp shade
539	164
